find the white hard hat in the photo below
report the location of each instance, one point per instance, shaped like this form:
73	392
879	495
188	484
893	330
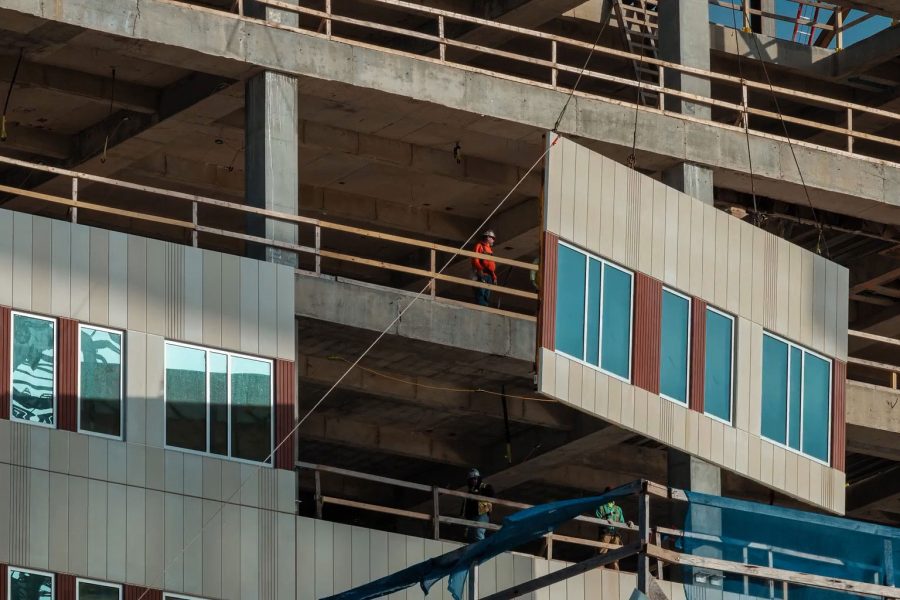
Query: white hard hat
474	474
489	233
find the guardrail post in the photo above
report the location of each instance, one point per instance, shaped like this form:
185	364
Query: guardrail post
473	582
194	223
839	27
549	546
75	199
328	19
849	130
659	564
643	574
318	496
745	4
318	250
240	7
433	270
441	36
662	85
435	511
745	116
554	73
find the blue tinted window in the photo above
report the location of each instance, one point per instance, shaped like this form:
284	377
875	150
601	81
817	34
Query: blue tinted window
774	389
717	369
593	312
570	302
673	360
816	384
616	355
795	397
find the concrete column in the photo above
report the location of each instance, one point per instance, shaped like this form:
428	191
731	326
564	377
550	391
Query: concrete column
271	148
684	39
692	474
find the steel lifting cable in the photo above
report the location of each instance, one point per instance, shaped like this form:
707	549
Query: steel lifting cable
12	82
745	118
390	325
822	243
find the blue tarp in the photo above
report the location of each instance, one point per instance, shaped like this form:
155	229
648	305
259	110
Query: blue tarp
793	540
517	529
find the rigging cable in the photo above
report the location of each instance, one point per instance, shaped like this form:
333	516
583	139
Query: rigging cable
390	325
12	82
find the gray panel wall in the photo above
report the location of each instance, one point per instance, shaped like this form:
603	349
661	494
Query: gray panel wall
147	286
127	513
764	281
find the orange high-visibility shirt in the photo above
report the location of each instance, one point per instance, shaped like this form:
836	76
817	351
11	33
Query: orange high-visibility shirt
481	264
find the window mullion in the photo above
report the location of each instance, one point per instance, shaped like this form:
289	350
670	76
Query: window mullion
228	401
208	410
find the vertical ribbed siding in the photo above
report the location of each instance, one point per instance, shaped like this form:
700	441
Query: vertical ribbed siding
67	367
3	577
547	314
65	587
698	353
133	592
284	414
5	365
647	322
839	415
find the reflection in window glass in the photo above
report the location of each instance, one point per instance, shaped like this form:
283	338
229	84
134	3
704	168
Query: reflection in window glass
185	397
29	585
570	287
592	350
100	381
816	384
616	349
717	369
251	408
33	369
218	403
673	360
93	590
774	389
796	398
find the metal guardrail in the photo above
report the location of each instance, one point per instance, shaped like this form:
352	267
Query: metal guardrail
552	65
76	202
434	516
648	546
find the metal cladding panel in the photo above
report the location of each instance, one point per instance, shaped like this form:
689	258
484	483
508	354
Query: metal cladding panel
65	587
5	365
839	415
547	314
698	353
284	414
647	322
3	582
67	388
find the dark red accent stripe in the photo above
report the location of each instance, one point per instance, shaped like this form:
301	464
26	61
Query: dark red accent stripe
5	366
547	313
698	353
65	587
133	592
67	367
839	415
647	323
284	414
3	576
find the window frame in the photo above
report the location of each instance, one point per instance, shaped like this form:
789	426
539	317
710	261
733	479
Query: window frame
228	354
787	422
78	580
587	267
690	324
177	596
9	580
121	436
731	387
12	366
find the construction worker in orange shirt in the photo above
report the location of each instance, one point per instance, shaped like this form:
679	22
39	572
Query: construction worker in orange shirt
484	270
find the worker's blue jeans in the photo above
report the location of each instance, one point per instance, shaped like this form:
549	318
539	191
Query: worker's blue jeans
476	534
483	295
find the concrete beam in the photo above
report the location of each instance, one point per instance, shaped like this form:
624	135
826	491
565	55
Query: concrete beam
391	440
487	337
866	54
869	189
37	141
555	458
426	392
128	96
870	493
874	407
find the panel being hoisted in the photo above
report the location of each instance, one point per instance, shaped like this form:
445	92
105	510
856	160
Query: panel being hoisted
670	318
